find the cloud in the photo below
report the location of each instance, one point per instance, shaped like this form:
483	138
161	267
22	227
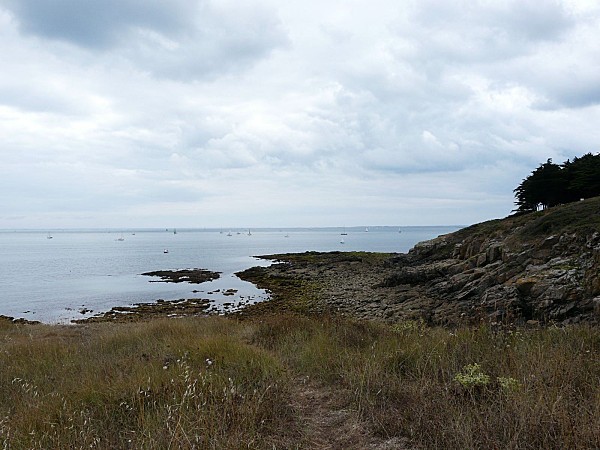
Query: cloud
100	24
288	113
182	39
225	38
549	48
483	31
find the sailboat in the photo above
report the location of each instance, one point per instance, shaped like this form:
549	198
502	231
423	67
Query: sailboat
344	232
366	229
49	236
229	234
175	231
249	234
121	238
342	241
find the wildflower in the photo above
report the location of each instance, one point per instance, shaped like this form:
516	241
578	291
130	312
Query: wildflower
508	384
471	376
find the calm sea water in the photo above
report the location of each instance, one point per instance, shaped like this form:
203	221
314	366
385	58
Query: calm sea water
53	280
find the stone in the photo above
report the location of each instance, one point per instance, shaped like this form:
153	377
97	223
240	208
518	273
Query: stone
525	284
481	260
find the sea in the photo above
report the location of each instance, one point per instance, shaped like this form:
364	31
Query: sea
59	275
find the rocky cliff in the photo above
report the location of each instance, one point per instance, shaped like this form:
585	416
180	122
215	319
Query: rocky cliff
541	267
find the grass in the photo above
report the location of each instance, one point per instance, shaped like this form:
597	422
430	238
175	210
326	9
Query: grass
226	384
581	217
160	384
542	388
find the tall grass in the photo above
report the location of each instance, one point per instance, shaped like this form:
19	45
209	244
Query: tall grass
542	389
163	384
220	384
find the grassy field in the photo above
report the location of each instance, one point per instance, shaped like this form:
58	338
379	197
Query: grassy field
290	381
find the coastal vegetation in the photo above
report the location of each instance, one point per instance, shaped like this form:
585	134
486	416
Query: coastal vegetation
484	338
297	381
554	184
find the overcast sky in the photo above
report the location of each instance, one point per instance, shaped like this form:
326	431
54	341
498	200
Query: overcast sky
221	113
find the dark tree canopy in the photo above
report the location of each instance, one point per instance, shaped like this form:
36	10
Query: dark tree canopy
552	184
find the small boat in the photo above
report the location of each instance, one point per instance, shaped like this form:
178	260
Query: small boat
343	233
287	235
342	241
166	250
121	238
367	230
49	236
249	234
229	234
174	231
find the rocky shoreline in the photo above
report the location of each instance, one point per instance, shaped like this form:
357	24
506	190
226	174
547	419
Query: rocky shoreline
540	268
19	321
160	308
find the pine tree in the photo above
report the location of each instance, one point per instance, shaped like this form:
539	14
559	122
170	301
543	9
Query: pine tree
551	184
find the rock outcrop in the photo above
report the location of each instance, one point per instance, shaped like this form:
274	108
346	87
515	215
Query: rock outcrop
556	279
538	268
195	276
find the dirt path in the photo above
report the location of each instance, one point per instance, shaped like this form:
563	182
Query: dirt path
328	422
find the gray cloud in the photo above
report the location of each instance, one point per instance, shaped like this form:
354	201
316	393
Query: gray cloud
100	24
213	112
222	40
468	31
181	39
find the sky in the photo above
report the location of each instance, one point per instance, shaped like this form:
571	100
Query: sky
271	113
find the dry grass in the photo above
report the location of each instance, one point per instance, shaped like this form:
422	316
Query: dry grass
218	383
542	391
163	384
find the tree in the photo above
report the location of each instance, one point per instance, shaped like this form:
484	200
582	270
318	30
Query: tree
584	176
544	187
551	184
